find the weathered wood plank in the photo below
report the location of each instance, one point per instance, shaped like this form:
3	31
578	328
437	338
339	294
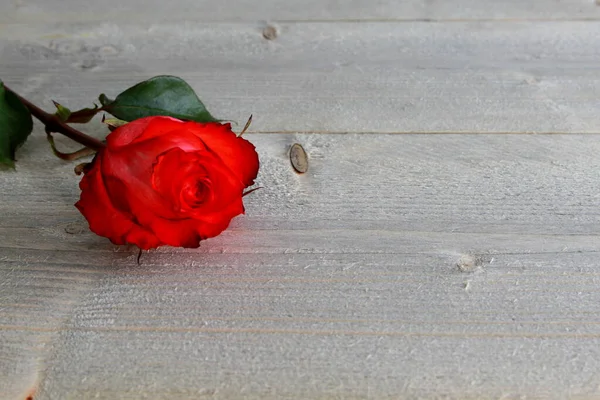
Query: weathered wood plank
455	266
342	77
74	11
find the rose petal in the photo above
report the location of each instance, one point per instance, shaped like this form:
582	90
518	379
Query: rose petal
171	170
175	167
132	166
104	218
189	232
236	152
142	129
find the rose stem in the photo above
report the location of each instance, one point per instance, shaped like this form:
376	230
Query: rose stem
54	124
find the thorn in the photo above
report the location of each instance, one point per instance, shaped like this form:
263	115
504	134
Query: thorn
251	190
138	257
246	126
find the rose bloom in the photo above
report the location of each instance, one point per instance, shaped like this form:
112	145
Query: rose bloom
161	181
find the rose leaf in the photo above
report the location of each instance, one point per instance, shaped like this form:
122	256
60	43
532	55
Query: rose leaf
15	125
162	95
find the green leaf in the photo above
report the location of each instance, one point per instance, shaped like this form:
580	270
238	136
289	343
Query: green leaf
161	95
15	125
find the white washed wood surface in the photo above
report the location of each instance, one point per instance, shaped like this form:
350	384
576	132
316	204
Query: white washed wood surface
331	77
284	10
459	266
342	283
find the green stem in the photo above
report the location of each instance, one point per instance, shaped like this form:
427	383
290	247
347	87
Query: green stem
54	124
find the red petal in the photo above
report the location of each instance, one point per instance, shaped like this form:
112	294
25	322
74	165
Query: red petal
104	218
236	152
175	167
142	129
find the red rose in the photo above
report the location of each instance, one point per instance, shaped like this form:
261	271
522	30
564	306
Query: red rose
162	181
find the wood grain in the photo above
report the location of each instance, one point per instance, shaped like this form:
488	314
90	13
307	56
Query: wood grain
414	266
74	11
494	77
454	266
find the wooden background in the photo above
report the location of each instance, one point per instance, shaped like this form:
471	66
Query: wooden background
457	262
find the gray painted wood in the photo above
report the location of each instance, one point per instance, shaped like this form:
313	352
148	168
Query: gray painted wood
339	77
455	266
414	266
311	10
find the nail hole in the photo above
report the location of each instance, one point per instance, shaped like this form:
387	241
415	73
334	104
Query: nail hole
270	32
